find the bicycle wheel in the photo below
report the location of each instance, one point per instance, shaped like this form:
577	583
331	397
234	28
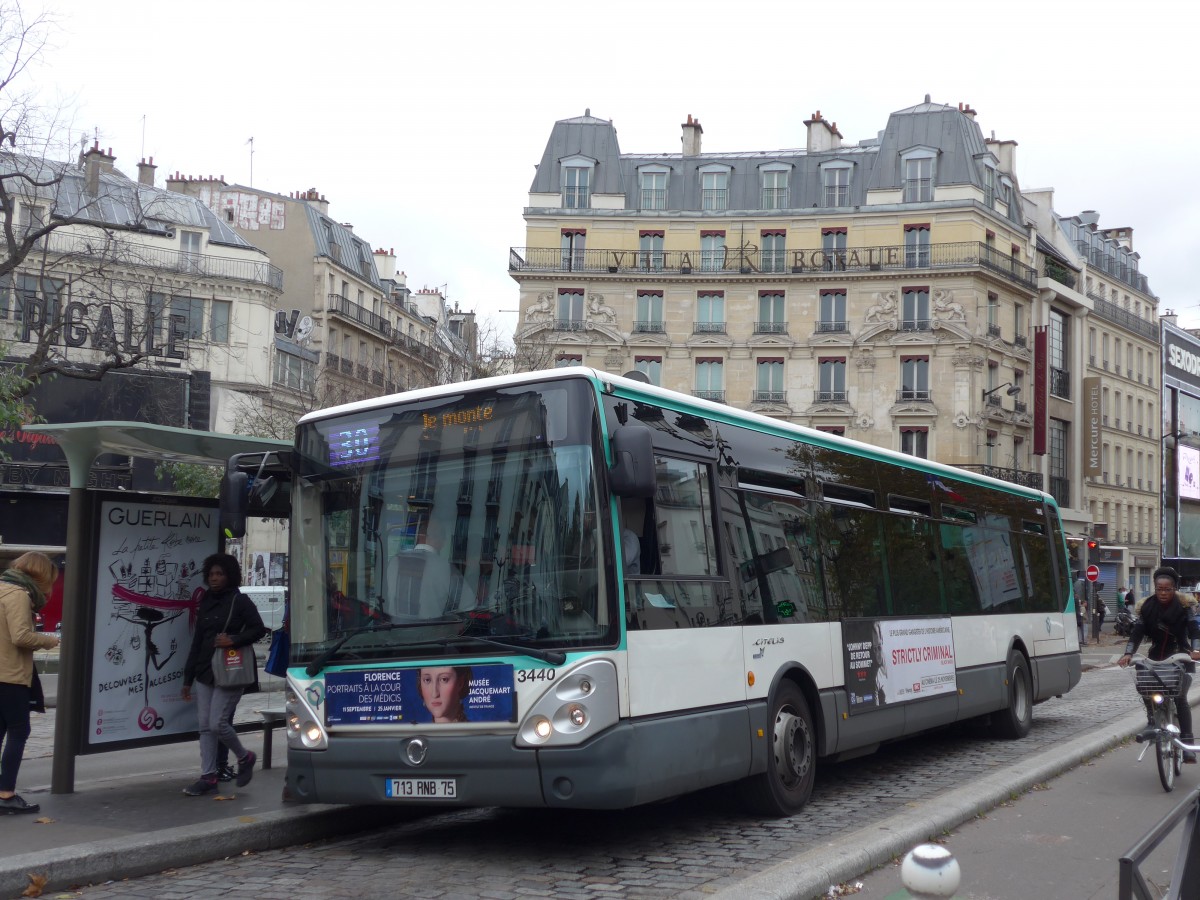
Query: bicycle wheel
1165	749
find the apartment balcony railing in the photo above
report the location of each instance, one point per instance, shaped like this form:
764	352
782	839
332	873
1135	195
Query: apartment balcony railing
336	303
1108	310
993	330
829	396
718	396
1112	266
1058	272
347	367
808	261
915	325
708	327
117	253
1014	476
770	327
332	361
650	326
412	346
570	325
770	396
713	199
909	394
832	327
1060	383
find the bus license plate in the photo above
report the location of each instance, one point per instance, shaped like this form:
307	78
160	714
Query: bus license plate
421	788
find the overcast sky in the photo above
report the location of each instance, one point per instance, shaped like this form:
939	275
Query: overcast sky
422	122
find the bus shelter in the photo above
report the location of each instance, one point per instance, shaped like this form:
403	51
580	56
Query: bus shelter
138	538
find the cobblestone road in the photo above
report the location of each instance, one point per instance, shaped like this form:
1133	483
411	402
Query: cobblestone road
686	848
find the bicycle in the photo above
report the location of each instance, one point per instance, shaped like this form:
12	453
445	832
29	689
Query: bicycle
1159	683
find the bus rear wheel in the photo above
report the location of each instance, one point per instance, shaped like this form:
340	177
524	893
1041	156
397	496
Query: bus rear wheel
1015	720
786	785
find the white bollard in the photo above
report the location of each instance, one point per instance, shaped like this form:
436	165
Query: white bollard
930	871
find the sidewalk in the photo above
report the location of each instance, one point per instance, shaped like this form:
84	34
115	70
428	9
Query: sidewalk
128	815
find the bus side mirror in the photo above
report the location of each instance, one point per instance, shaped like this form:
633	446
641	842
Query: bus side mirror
234	500
632	472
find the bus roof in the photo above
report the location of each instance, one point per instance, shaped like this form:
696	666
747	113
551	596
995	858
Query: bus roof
628	387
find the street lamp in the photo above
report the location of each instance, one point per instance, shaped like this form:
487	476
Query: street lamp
1013	389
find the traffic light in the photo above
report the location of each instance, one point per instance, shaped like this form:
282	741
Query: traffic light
1092	546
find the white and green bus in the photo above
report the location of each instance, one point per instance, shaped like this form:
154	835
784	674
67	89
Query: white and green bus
574	589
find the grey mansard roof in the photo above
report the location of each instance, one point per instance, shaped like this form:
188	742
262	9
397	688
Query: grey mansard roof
876	164
119	203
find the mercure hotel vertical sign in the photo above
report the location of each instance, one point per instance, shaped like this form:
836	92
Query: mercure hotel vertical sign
1091	424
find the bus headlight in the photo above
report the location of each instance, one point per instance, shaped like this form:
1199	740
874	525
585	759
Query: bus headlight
303	723
578	704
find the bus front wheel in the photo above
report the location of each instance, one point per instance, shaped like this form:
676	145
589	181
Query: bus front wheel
784	788
1015	720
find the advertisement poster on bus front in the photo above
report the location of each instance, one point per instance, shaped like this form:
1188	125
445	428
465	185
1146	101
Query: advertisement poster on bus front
890	661
148	586
430	695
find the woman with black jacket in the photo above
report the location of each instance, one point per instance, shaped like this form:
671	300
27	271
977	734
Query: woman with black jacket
226	618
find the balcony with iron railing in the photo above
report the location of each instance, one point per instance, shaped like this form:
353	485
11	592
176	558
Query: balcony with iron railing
1060	383
1056	271
708	327
833	327
650	326
963	255
770	327
820	396
410	345
770	396
1109	311
116	253
1013	476
717	396
1110	265
338	304
907	395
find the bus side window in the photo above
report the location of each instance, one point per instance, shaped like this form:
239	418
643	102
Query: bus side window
633	520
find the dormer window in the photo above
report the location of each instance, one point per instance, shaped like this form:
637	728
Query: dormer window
652	188
835	179
577	182
989	187
919	170
775	187
714	188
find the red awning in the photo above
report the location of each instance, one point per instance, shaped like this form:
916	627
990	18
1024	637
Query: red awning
650	233
574	231
778	232
712	234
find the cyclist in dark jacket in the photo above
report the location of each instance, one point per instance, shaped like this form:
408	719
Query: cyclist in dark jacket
1170	627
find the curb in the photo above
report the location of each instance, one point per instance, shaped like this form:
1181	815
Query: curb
810	875
188	845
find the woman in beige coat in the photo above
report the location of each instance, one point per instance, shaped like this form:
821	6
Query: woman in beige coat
23	590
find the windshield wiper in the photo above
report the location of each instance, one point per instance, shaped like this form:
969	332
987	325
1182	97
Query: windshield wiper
554	657
315	667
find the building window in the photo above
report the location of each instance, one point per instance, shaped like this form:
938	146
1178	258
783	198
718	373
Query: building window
833	249
837	186
218	322
769	381
649	317
567	359
710	312
1056	339
191	311
5	295
190	243
914	378
713	191
772	313
653	190
570	310
293	373
650	366
577	187
30	218
775	189
989	187
773	253
914	440
1060	485
1019	325
914	309
156	315
712	251
918	180
993	315
916	246
831	379
833	311
573	242
650	250
710	379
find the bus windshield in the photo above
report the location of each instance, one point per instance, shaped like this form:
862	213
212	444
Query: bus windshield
449	526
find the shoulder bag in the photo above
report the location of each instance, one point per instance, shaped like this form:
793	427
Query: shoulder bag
232	667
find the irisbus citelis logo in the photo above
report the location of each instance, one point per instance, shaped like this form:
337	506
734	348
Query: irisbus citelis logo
465	417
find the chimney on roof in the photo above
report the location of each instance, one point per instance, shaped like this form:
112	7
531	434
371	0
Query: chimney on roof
316	200
146	172
1005	153
1170	317
385	264
691	136
965	109
96	163
1090	218
822	135
1122	236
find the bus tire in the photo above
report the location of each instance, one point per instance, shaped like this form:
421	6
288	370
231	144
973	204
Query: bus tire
784	788
1015	720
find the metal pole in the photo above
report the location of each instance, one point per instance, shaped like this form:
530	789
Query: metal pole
72	658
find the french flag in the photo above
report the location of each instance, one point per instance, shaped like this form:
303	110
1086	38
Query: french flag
936	482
